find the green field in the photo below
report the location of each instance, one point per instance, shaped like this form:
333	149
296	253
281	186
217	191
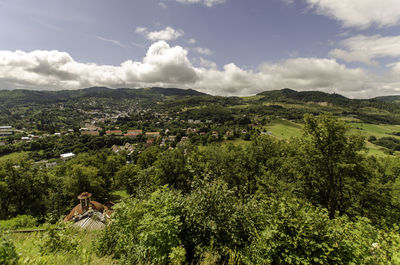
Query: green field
284	129
378	130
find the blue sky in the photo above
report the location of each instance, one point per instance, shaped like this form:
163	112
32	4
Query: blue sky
221	47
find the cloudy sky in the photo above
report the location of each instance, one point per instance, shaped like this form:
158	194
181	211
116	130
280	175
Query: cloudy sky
221	47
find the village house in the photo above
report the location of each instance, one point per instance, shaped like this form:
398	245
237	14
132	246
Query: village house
133	133
114	132
149	142
191	130
183	140
152	134
67	156
6	130
92	133
90	129
88	214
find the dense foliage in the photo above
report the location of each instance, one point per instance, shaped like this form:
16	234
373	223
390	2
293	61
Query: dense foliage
8	254
316	199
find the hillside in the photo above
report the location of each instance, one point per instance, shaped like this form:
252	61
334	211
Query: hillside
15	97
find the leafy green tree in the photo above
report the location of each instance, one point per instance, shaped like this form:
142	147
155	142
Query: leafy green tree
148	157
171	168
332	165
215	222
81	178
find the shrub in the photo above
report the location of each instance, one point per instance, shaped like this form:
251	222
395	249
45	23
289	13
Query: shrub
145	231
21	221
59	238
8	254
298	233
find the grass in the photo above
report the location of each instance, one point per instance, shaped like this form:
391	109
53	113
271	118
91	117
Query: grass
29	251
119	195
284	129
375	150
378	130
17	156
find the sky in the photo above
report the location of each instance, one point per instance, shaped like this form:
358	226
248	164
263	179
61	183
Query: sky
220	47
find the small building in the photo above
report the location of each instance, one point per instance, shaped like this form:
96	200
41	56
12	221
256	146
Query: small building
67	156
153	134
133	133
114	132
51	164
6	130
88	214
92	133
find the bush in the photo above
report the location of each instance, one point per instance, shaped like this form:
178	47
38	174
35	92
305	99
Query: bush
21	221
298	233
215	223
145	231
59	238
8	254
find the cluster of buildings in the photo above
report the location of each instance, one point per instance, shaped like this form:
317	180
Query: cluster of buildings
6	130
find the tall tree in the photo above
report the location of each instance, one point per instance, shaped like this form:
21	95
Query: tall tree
331	163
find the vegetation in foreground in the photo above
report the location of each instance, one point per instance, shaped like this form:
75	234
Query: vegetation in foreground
311	200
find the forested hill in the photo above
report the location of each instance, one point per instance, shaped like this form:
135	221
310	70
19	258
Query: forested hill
14	97
292	96
391	99
285	103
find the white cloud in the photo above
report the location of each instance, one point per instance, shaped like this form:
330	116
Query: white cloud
359	13
168	66
162	5
367	48
208	3
203	51
288	2
207	63
191	41
141	30
115	42
168	33
56	70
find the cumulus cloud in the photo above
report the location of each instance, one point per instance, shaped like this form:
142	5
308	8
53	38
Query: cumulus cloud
168	66
168	33
359	13
207	63
367	48
203	51
208	3
56	70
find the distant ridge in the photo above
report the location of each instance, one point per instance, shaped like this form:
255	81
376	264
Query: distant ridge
22	96
303	96
389	99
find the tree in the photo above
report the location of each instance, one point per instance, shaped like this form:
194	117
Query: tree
332	166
